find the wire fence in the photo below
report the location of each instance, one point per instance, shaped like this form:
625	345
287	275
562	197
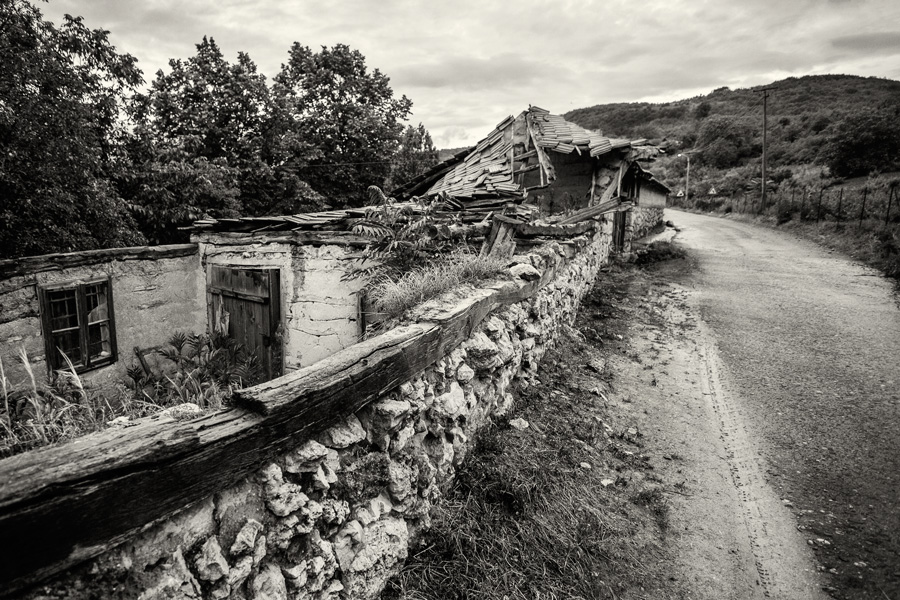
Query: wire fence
867	206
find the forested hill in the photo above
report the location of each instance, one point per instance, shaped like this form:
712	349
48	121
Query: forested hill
847	124
813	99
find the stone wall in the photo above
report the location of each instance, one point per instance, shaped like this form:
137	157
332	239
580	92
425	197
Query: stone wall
334	517
154	294
643	220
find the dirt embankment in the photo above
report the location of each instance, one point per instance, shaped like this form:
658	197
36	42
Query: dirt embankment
623	472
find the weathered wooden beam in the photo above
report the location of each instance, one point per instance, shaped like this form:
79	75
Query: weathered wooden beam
529	230
595	211
312	238
57	262
501	240
526	169
525	155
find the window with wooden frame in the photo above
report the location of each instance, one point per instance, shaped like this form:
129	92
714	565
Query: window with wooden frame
78	322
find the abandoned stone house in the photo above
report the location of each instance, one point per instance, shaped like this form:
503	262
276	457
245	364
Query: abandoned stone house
254	499
277	284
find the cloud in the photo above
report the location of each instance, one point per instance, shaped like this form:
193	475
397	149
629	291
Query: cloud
468	64
472	73
884	42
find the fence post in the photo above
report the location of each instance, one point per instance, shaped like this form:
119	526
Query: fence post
803	202
840	200
862	210
887	213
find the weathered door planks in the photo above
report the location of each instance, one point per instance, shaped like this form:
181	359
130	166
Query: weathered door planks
247	302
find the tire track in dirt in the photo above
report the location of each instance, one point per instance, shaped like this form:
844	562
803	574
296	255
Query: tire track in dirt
784	565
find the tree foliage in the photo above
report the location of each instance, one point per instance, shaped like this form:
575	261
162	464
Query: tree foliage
725	141
347	113
415	156
209	140
86	161
61	96
863	143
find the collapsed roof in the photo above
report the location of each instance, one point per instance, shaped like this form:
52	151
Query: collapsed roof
495	168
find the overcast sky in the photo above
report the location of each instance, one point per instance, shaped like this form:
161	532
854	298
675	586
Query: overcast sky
467	64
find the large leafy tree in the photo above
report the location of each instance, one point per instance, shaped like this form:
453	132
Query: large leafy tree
345	111
61	91
415	156
864	142
210	141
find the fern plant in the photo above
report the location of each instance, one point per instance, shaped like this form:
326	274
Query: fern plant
404	235
204	369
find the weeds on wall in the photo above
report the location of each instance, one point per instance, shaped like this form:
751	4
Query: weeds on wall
391	297
415	254
199	369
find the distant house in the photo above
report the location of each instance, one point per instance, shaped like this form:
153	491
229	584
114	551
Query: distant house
543	161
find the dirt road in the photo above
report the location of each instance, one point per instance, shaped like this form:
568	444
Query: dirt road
801	357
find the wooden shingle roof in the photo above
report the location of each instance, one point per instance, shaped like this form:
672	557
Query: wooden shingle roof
489	169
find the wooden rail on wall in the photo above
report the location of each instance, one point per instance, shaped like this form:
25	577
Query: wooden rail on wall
55	262
62	505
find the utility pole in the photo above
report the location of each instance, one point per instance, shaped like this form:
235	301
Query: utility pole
765	93
687	177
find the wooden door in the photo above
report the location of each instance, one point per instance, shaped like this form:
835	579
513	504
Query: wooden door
246	303
619	230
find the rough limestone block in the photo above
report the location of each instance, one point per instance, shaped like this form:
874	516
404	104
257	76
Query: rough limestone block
526	272
452	403
282	498
305	459
346	433
295	576
268	584
210	563
246	538
234	506
400	481
240	571
176	581
388	415
167	539
383	551
346	542
482	352
464	374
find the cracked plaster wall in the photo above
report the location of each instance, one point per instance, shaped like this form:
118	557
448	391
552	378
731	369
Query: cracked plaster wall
319	309
152	298
334	517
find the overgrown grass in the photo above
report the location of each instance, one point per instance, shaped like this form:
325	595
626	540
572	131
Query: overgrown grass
37	414
390	297
874	243
531	513
200	370
658	252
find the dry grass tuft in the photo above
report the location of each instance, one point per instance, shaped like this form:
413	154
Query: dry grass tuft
39	414
393	297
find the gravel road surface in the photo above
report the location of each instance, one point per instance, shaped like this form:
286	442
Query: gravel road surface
808	353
